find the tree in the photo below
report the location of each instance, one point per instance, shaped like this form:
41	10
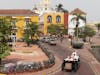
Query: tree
56	29
98	26
77	18
30	31
88	32
64	31
59	7
53	29
5	31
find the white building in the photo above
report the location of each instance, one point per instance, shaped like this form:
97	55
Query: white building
43	7
72	24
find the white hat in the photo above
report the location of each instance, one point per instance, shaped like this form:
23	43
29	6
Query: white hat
74	53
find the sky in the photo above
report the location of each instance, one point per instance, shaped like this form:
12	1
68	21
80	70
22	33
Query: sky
91	7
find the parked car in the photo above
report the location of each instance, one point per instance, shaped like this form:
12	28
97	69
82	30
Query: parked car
45	39
52	41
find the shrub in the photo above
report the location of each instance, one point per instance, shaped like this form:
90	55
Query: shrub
95	47
40	65
28	66
37	66
19	68
96	51
46	63
77	44
52	58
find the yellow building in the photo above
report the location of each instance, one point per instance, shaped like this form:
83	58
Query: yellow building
56	18
19	18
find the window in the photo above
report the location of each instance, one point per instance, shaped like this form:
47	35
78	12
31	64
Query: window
27	20
58	19
49	19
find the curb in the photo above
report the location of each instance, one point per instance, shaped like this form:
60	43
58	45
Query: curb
51	71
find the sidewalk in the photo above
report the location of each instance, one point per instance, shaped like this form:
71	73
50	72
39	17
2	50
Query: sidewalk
86	55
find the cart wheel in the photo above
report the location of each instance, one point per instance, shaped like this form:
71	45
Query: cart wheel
75	67
63	65
78	63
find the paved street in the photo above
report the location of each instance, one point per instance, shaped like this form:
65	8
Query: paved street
62	51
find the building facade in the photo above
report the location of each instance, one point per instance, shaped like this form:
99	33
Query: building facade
19	19
58	18
72	24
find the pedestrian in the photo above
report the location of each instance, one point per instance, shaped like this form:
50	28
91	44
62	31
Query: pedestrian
61	38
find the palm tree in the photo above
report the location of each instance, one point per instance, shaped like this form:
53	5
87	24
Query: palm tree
77	18
59	7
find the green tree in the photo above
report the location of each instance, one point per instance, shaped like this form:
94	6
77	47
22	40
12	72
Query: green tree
30	31
5	31
98	26
53	29
60	8
56	29
88	32
64	31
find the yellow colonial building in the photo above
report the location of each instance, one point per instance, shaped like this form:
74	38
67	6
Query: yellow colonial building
56	18
19	19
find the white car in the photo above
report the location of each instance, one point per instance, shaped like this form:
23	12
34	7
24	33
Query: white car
45	39
52	41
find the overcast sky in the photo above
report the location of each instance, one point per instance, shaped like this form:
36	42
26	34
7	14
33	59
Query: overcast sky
91	7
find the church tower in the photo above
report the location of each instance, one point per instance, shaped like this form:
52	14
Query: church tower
45	5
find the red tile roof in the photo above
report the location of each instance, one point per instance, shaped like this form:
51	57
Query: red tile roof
77	11
16	12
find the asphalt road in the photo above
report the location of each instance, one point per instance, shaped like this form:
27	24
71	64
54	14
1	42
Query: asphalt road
62	52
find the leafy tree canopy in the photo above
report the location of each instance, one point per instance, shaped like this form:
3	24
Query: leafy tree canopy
30	31
87	31
5	31
56	29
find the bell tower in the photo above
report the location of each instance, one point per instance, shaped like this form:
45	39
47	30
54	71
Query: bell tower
45	5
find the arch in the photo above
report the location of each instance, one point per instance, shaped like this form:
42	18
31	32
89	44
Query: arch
58	19
49	19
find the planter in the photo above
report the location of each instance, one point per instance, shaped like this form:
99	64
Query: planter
77	44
